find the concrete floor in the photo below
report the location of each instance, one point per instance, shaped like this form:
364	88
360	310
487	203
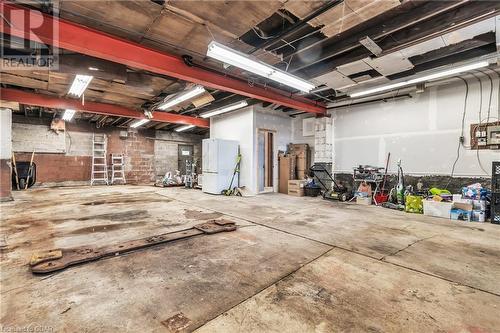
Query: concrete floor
294	265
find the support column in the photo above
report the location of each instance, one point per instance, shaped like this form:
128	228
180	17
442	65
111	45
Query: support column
5	154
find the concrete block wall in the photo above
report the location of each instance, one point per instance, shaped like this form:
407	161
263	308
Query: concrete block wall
166	150
138	153
148	154
29	137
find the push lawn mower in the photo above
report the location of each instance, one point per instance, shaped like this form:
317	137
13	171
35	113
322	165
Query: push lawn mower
336	192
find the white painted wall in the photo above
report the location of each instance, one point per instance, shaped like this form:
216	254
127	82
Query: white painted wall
297	133
5	134
239	126
281	125
423	131
243	126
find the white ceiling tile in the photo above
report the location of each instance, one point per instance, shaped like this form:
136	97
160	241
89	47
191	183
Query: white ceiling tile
431	44
353	68
376	81
470	32
334	80
390	64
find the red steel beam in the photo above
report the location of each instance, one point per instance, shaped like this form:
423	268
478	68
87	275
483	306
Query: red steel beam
84	40
29	98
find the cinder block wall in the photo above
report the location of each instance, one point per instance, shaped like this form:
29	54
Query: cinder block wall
138	151
167	148
66	158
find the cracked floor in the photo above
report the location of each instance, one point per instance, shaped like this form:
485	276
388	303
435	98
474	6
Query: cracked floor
293	265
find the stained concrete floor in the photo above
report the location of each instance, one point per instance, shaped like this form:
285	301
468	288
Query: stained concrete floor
293	265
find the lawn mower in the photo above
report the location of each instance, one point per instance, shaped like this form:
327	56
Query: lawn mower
334	192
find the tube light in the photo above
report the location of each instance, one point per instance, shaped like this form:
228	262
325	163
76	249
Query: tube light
430	77
181	97
225	109
139	122
80	83
184	128
68	114
243	61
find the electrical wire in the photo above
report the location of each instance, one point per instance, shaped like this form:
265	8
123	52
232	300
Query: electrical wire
479	126
491	94
263	37
460	140
498	94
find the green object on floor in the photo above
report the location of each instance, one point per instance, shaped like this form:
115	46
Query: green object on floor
438	191
414	204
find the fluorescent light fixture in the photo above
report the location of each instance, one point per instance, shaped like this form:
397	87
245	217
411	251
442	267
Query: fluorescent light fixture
139	122
80	83
68	114
184	128
225	109
182	97
430	77
94	69
243	61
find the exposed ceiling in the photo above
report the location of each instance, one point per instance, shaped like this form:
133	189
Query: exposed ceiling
317	40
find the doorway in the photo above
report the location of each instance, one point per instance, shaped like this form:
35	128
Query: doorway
265	153
185	154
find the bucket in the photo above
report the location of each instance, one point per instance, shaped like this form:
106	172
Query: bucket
381	198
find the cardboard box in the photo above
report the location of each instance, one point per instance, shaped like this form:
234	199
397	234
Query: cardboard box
460	214
296	192
286	171
437	209
296	184
463	206
303	155
364	201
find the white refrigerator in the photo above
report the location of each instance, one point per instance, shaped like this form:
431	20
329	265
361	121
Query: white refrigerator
218	163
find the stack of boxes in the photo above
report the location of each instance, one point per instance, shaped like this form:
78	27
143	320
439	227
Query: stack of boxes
293	169
301	151
468	207
495	193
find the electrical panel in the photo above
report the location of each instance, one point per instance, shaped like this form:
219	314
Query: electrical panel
485	135
493	135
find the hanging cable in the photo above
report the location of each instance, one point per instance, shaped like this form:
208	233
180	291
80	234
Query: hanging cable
461	139
479	127
498	94
491	94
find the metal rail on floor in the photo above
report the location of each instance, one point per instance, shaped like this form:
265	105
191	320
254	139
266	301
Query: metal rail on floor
55	260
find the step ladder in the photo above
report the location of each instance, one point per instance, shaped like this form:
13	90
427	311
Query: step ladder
117	169
99	163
